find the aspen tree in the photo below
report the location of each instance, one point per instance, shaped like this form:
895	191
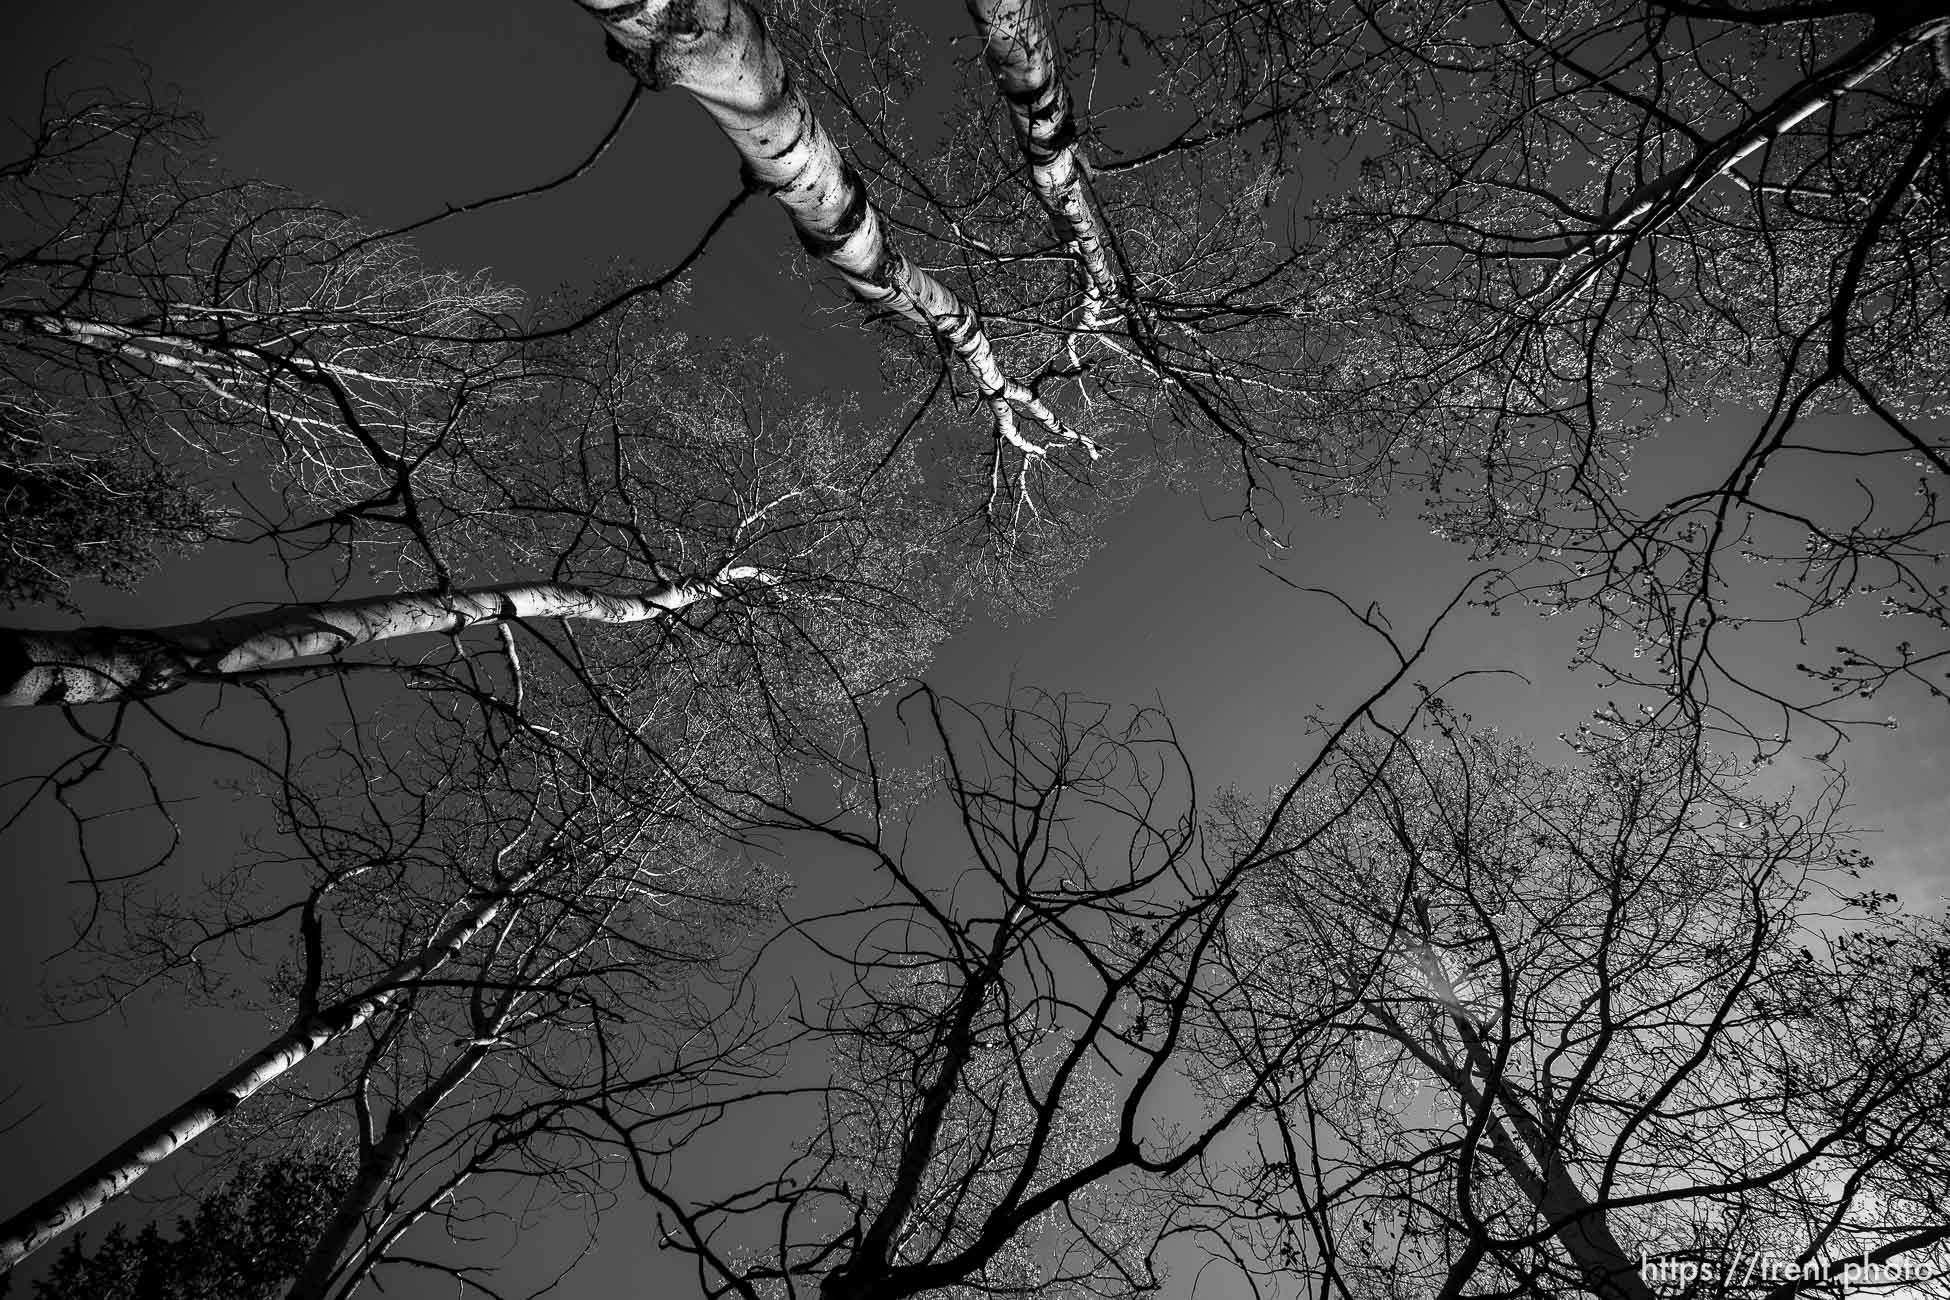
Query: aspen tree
718	51
1722	217
456	914
1022	57
98	664
315	1029
1559	1017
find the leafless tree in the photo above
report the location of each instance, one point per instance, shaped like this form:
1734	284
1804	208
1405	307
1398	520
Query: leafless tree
1153	301
987	1116
599	524
156	308
1522	241
1569	222
416	427
1557	228
440	921
1564	1022
990	1051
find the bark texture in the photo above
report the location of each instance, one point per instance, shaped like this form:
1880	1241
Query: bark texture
718	52
95	664
115	1172
1020	49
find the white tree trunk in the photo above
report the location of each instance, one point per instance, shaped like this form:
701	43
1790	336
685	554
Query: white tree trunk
1021	52
115	1172
173	350
378	1163
92	664
1663	197
717	50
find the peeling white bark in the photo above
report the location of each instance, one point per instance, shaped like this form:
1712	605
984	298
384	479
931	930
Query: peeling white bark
114	1173
95	664
718	52
1020	49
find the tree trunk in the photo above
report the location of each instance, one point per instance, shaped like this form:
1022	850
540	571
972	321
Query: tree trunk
1579	1225
1662	197
170	349
718	51
93	664
377	1164
1580	1228
1021	54
115	1172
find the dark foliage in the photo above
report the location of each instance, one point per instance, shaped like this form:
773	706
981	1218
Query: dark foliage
244	1241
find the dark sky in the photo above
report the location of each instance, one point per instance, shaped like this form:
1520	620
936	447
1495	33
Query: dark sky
391	110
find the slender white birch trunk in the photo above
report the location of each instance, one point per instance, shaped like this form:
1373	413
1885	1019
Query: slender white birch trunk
244	381
93	664
718	51
115	1172
1663	197
377	1165
175	351
332	1263
1021	52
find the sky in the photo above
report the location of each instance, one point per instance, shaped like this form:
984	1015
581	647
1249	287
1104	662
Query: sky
390	112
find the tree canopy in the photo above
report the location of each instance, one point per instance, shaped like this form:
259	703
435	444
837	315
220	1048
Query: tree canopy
587	833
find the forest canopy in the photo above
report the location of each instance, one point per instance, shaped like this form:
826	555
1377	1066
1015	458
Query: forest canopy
802	648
